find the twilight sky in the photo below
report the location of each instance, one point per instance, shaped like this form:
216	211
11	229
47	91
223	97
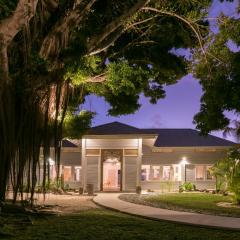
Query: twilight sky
181	103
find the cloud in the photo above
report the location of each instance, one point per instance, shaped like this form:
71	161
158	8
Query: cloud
156	121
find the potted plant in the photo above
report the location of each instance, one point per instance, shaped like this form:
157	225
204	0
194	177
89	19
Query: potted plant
138	189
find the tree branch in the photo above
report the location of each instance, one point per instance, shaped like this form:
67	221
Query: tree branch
188	22
10	27
58	38
97	43
97	79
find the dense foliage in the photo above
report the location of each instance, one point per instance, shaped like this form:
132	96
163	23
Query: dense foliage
227	171
219	74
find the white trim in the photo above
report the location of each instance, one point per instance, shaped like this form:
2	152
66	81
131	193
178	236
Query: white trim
139	162
204	173
99	170
84	164
73	149
123	173
197	148
121	136
131	155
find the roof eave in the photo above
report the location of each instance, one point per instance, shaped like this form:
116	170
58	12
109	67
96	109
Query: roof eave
122	136
191	147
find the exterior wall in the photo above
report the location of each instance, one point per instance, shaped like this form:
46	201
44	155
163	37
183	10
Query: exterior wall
92	164
168	156
130	173
111	143
175	155
200	184
93	171
71	158
131	166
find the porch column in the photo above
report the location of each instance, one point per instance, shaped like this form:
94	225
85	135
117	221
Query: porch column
84	165
139	162
123	171
183	172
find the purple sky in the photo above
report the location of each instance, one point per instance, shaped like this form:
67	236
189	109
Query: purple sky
181	103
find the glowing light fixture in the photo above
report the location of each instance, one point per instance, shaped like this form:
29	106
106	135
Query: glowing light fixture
51	162
184	161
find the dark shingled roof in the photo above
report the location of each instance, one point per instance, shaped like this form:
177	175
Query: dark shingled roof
67	143
166	137
186	138
114	128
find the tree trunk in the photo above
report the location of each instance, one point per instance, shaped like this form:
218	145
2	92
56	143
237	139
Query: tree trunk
9	28
3	62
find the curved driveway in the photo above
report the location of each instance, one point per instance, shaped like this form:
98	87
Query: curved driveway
111	201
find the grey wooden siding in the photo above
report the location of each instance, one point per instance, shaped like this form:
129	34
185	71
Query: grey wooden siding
190	173
193	156
111	143
71	158
130	173
93	171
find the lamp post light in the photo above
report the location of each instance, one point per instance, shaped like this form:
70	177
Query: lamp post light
184	162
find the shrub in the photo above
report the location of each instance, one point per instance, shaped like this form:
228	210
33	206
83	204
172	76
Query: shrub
228	169
187	186
67	187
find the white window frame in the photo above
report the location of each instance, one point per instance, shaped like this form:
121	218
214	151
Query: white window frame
204	173
179	174
153	167
209	179
147	167
75	176
68	167
168	166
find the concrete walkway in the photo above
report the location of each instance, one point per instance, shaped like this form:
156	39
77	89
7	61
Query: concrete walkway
111	201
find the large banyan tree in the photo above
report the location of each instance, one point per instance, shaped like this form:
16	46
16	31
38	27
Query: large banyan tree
55	52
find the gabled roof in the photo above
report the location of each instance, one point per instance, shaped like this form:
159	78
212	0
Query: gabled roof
165	137
67	143
186	138
114	128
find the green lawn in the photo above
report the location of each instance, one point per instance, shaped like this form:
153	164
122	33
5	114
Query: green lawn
196	202
104	224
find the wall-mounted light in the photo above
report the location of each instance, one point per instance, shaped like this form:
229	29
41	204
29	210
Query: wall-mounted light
184	161
51	162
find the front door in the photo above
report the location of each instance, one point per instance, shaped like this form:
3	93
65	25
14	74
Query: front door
111	170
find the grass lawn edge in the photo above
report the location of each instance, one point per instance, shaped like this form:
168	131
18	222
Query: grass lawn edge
163	220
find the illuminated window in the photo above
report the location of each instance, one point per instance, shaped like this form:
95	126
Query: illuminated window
77	173
166	172
67	173
177	173
145	173
208	174
156	172
199	172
